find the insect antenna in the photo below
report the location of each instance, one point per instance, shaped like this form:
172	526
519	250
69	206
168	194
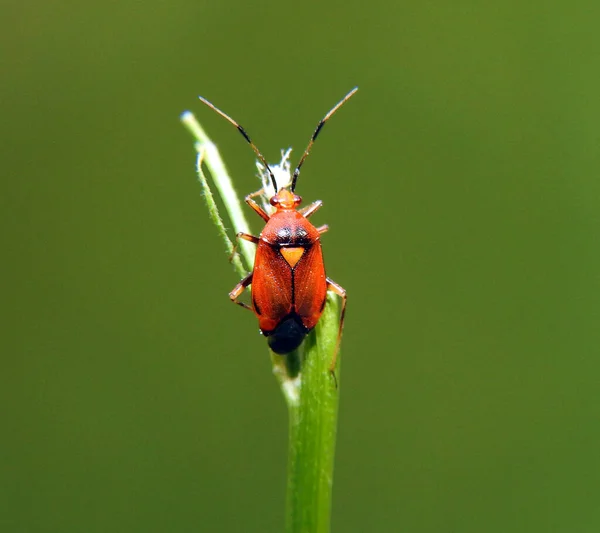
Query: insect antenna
316	133
245	135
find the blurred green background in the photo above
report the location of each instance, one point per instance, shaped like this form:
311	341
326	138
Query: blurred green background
462	190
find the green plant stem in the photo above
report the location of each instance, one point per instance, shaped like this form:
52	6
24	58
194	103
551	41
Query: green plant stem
220	176
213	211
310	390
312	430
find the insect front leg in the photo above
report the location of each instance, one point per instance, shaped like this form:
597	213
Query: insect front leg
341	292
239	289
259	210
311	209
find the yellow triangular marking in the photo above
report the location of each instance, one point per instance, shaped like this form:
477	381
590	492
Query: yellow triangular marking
292	255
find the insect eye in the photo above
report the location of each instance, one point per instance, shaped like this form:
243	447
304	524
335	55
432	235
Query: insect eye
274	201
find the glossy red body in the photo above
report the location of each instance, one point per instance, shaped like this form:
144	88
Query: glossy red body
282	290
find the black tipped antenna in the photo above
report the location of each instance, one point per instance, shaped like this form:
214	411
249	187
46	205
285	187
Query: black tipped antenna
316	133
245	135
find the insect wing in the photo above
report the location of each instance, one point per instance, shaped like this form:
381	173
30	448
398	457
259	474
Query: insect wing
310	285
271	287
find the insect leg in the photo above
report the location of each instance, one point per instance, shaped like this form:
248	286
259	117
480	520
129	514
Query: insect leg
310	209
322	229
239	289
254	194
246	237
341	292
256	207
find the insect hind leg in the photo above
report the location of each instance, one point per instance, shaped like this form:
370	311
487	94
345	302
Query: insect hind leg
239	289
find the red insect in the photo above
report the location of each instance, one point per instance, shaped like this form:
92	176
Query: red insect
288	283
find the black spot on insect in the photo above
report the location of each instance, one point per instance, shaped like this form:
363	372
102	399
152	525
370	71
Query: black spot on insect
300	237
284	235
